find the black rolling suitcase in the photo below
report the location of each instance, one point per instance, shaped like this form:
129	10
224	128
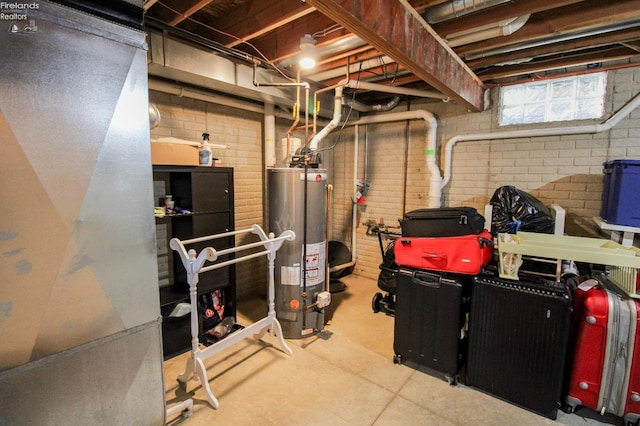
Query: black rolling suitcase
442	222
430	316
518	336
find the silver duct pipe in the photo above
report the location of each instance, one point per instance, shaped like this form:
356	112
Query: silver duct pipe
346	43
457	8
354	84
362	107
499	29
556	39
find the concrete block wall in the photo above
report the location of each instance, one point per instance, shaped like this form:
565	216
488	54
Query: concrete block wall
242	132
397	175
566	170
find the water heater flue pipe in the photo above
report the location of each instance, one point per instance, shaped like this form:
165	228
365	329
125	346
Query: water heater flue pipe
552	131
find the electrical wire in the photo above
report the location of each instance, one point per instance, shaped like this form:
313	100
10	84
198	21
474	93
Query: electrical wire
326	31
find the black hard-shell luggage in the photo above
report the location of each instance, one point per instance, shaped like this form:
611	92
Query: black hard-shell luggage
518	339
442	222
430	316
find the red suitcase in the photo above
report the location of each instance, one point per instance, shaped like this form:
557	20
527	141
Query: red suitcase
465	254
604	373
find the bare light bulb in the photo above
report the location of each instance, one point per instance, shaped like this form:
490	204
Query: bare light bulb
307	47
307	62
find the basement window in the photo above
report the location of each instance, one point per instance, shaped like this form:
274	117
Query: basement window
571	98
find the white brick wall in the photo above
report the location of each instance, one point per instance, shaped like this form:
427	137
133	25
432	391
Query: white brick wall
557	169
241	132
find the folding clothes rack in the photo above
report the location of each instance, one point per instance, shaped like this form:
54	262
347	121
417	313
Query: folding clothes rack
194	264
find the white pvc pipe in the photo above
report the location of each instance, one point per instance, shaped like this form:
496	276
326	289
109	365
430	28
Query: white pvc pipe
553	131
354	212
337	115
435	187
269	135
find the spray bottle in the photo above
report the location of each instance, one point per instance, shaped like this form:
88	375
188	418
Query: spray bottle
206	159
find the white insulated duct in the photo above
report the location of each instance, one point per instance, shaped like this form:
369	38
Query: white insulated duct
515	134
457	8
500	29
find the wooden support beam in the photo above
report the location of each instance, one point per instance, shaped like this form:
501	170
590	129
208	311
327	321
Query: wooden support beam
397	30
188	12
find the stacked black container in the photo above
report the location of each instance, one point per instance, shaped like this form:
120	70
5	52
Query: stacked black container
456	318
432	303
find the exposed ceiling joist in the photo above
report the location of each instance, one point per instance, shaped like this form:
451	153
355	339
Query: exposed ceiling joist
413	45
557	34
497	14
564	20
605	55
198	5
272	16
624	36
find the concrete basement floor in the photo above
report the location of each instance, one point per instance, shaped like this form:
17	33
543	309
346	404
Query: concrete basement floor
342	376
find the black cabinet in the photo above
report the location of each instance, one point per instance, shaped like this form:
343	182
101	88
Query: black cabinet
203	198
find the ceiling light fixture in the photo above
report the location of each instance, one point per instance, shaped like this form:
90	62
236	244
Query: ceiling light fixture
307	51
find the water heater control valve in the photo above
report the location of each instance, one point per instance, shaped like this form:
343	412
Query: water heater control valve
323	299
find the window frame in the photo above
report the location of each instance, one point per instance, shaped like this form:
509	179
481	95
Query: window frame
547	106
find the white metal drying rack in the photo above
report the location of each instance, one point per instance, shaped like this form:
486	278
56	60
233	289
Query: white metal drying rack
194	264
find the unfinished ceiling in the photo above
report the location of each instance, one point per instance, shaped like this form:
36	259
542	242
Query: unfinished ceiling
455	48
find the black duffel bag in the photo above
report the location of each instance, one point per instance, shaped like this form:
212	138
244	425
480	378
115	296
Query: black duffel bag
442	222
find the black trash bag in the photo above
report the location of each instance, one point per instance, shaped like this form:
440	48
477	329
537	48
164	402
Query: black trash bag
515	210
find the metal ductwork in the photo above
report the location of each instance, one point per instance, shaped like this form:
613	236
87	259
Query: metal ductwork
325	50
457	8
499	29
362	107
171	59
555	39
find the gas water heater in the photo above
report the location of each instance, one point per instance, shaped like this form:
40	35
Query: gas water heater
297	201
